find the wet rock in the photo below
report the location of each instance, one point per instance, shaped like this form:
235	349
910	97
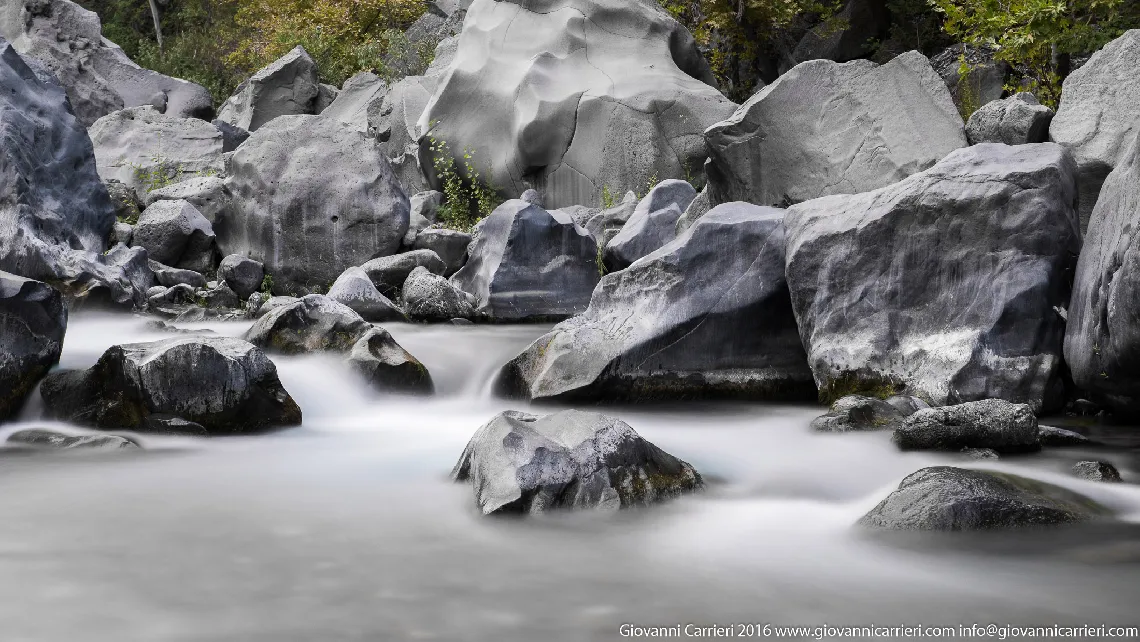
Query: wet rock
945	285
208	194
652	225
945	498
227	385
33	319
886	123
689	320
449	245
387	366
527	263
388	273
354	289
169	277
980	454
1101	471
523	463
990	423
1060	438
176	234
858	413
286	87
430	297
242	274
1016	120
50	439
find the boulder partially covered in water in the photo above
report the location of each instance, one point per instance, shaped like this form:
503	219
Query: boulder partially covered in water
226	385
859	413
524	463
990	423
33	320
944	498
42	438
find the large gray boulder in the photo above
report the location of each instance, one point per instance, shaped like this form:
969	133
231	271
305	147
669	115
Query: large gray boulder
208	194
881	124
1099	114
176	234
946	285
355	289
707	315
334	195
286	87
528	263
944	498
430	297
242	274
1016	120
652	224
97	76
33	320
358	104
388	273
989	423
595	94
145	149
524	463
55	213
226	385
1102	340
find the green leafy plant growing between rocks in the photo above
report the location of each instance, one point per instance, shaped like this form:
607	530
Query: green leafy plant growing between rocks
467	198
267	284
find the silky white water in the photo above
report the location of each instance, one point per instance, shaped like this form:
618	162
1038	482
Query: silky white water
347	528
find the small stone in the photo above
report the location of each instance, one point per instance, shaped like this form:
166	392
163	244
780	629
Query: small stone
1101	471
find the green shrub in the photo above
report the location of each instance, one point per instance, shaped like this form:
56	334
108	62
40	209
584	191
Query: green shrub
467	199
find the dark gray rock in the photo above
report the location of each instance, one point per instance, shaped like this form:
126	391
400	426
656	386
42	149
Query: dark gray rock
33	320
1059	437
1102	339
983	81
848	35
286	87
1101	471
882	124
945	285
652	225
242	274
697	318
1016	120
990	423
523	463
232	135
171	300
944	498
388	273
430	297
328	180
528	263
354	289
1099	114
907	405
125	201
449	245
387	366
858	413
226	385
175	233
219	297
50	439
167	276
208	194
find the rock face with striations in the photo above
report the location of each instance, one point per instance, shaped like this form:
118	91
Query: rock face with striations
286	87
226	385
653	224
572	97
528	263
945	285
33	320
707	315
944	498
873	126
1102	340
330	182
97	76
523	463
1099	114
55	212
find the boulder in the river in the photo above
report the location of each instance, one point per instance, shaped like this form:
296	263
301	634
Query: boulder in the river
708	315
1099	114
176	234
388	366
524	463
881	124
527	263
1101	471
355	289
449	245
335	202
653	224
430	297
946	285
1016	120
54	440
944	498
286	87
227	385
242	274
573	99
990	423
858	413
388	273
33	319
1054	437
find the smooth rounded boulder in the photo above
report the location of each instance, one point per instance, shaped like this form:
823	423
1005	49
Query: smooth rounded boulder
330	182
226	385
652	224
354	289
524	463
946	285
991	423
175	233
33	320
708	315
242	274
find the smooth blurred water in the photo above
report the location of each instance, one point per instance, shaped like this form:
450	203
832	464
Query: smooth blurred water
347	528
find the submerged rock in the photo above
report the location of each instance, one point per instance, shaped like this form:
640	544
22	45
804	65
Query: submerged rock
856	412
50	439
33	320
1059	437
945	498
991	423
523	463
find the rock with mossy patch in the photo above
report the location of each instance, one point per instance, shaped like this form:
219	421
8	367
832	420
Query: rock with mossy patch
945	498
990	423
226	385
33	319
42	438
858	413
524	463
1101	471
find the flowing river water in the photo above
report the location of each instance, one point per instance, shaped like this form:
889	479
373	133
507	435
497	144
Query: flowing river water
347	528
